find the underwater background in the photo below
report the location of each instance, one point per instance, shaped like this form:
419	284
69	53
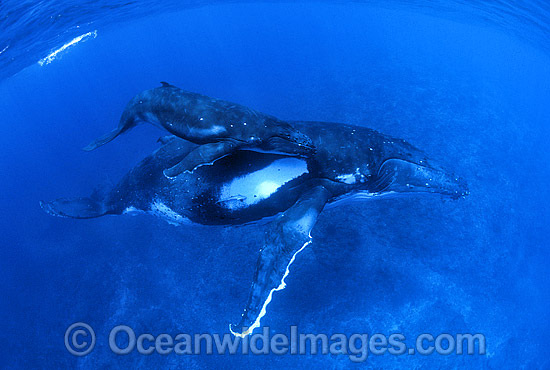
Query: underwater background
468	82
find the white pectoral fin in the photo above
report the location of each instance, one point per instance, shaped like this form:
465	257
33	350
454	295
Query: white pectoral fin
285	237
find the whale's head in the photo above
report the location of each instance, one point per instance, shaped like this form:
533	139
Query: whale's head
283	138
405	175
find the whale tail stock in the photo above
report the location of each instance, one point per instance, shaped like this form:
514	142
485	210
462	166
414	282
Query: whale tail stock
82	207
103	139
127	121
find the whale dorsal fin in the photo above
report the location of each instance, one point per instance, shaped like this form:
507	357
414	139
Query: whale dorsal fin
166	84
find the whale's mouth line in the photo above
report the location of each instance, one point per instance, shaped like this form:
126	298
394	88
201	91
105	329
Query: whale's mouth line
401	175
288	145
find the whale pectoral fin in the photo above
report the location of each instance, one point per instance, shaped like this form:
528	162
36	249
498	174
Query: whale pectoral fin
202	155
284	239
75	208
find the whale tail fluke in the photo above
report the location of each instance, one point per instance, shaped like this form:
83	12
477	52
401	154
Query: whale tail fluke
75	207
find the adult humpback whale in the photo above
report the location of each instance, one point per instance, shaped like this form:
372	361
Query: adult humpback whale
351	162
220	127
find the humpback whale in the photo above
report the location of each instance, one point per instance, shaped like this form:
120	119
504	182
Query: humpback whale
219	127
351	162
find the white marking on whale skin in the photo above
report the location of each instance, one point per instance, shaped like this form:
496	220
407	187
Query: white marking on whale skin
215	130
253	187
132	211
347	178
51	57
351	178
161	210
266	188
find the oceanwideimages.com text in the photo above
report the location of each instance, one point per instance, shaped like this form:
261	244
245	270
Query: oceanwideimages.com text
80	340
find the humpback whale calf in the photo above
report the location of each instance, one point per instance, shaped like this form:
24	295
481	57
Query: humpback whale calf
350	162
220	127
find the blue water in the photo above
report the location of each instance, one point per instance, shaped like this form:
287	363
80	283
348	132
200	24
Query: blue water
467	83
